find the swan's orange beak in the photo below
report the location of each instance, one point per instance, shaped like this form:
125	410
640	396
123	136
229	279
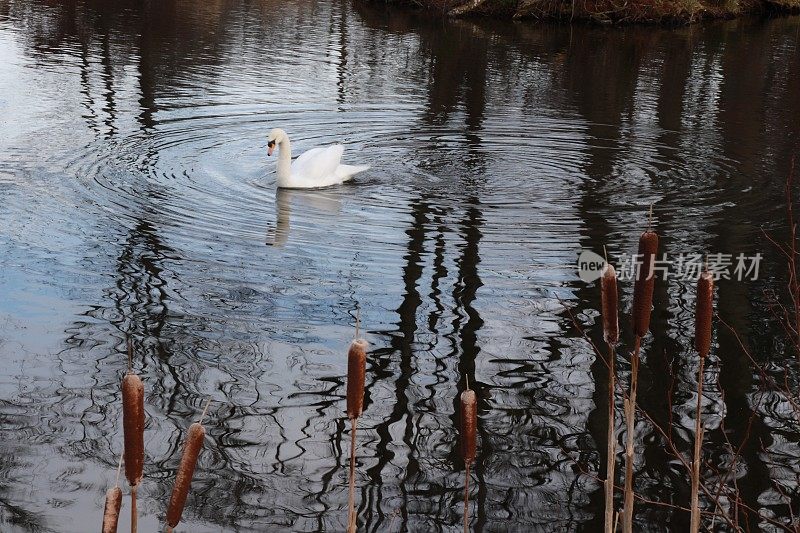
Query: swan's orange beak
270	147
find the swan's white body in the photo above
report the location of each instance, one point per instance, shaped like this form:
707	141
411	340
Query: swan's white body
318	167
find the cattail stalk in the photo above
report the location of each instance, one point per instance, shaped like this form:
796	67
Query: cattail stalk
356	371
703	314
629	411
702	343
698	445
351	486
609	305
133	429
642	305
469	423
611	446
111	509
645	281
183	479
113	504
133	424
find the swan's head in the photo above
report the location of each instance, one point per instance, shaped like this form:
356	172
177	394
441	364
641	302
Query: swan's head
276	136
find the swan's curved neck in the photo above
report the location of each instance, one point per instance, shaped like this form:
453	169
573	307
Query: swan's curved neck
284	160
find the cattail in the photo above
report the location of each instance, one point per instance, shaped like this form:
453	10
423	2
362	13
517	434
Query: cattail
191	449
608	300
133	427
609	304
645	281
703	312
642	304
113	504
469	421
356	368
111	510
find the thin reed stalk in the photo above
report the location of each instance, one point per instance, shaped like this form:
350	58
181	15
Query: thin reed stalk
698	445
134	511
629	411
611	446
466	498
351	496
183	479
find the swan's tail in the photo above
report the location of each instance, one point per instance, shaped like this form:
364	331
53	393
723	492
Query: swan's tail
346	172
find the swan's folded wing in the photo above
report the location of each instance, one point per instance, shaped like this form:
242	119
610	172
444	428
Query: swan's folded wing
318	163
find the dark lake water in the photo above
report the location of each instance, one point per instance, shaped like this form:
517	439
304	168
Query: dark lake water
136	199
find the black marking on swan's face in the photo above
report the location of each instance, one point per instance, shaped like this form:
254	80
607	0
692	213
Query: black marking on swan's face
270	144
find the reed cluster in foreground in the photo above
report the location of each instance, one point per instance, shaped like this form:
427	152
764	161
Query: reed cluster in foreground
133	424
640	325
356	374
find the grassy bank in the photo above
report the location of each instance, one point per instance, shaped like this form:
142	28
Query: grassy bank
606	11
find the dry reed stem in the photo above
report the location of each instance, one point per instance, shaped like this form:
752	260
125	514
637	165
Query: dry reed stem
469	422
119	467
134	511
645	281
351	496
183	479
111	509
133	427
356	369
609	304
703	314
630	409
466	498
611	446
698	444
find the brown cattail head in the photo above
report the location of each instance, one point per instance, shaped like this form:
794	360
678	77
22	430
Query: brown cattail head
703	313
469	421
111	511
645	281
133	427
191	449
356	368
609	304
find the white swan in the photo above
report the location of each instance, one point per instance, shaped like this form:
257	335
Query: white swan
319	167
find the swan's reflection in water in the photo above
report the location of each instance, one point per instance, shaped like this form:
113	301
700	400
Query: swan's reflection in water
322	203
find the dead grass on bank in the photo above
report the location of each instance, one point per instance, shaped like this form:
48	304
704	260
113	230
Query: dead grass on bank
675	12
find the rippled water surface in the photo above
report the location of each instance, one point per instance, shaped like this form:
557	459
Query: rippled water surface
136	199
